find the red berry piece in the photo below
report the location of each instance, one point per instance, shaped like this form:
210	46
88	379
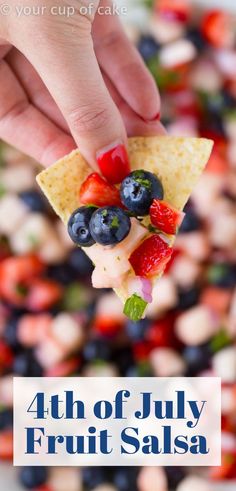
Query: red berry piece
16	274
107	326
43	294
217	28
6	445
174	10
165	217
6	355
97	191
151	257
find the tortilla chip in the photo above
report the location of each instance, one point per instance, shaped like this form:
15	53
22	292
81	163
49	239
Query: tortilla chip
177	161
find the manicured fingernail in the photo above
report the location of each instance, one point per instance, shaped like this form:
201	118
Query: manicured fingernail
113	162
152	120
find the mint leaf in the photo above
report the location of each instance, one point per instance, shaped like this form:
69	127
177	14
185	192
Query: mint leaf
75	298
220	341
134	307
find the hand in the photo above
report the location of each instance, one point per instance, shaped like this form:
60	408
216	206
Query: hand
70	81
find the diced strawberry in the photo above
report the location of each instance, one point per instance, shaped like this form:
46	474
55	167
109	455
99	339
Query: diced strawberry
175	10
161	333
165	217
218	299
107	326
6	355
218	163
227	470
33	328
43	294
15	274
217	28
141	351
6	445
97	191
151	257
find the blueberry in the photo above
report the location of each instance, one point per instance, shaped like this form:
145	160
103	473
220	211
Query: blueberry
78	226
222	275
216	103
6	419
34	200
188	298
62	273
139	189
11	334
26	365
194	35
80	263
174	476
123	358
125	478
32	477
136	330
109	225
93	477
96	349
197	358
148	47
190	223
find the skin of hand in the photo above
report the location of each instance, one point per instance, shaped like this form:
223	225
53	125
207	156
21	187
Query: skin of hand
71	80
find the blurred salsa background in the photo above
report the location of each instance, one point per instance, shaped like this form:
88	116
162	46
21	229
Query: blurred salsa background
52	323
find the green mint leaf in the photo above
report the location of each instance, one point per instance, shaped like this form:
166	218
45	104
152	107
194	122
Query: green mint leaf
220	341
134	307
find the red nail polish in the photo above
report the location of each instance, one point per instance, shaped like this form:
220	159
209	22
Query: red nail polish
152	120
114	164
156	117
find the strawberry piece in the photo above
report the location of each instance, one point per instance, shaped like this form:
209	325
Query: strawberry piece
6	355
227	470
6	445
165	217
15	275
97	191
33	328
107	326
141	351
217	29
174	10
43	294
151	257
162	334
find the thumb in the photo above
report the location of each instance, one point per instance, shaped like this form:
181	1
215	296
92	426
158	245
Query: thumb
68	66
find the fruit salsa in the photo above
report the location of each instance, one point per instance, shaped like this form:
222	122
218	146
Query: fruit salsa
52	323
129	237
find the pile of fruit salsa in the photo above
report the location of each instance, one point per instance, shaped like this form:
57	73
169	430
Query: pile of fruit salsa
110	217
128	231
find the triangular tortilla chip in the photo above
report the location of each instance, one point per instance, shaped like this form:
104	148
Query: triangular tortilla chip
177	161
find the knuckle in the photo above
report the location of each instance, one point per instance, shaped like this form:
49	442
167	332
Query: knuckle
89	119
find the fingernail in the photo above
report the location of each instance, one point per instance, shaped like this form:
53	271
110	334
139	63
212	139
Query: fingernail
152	120
113	162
